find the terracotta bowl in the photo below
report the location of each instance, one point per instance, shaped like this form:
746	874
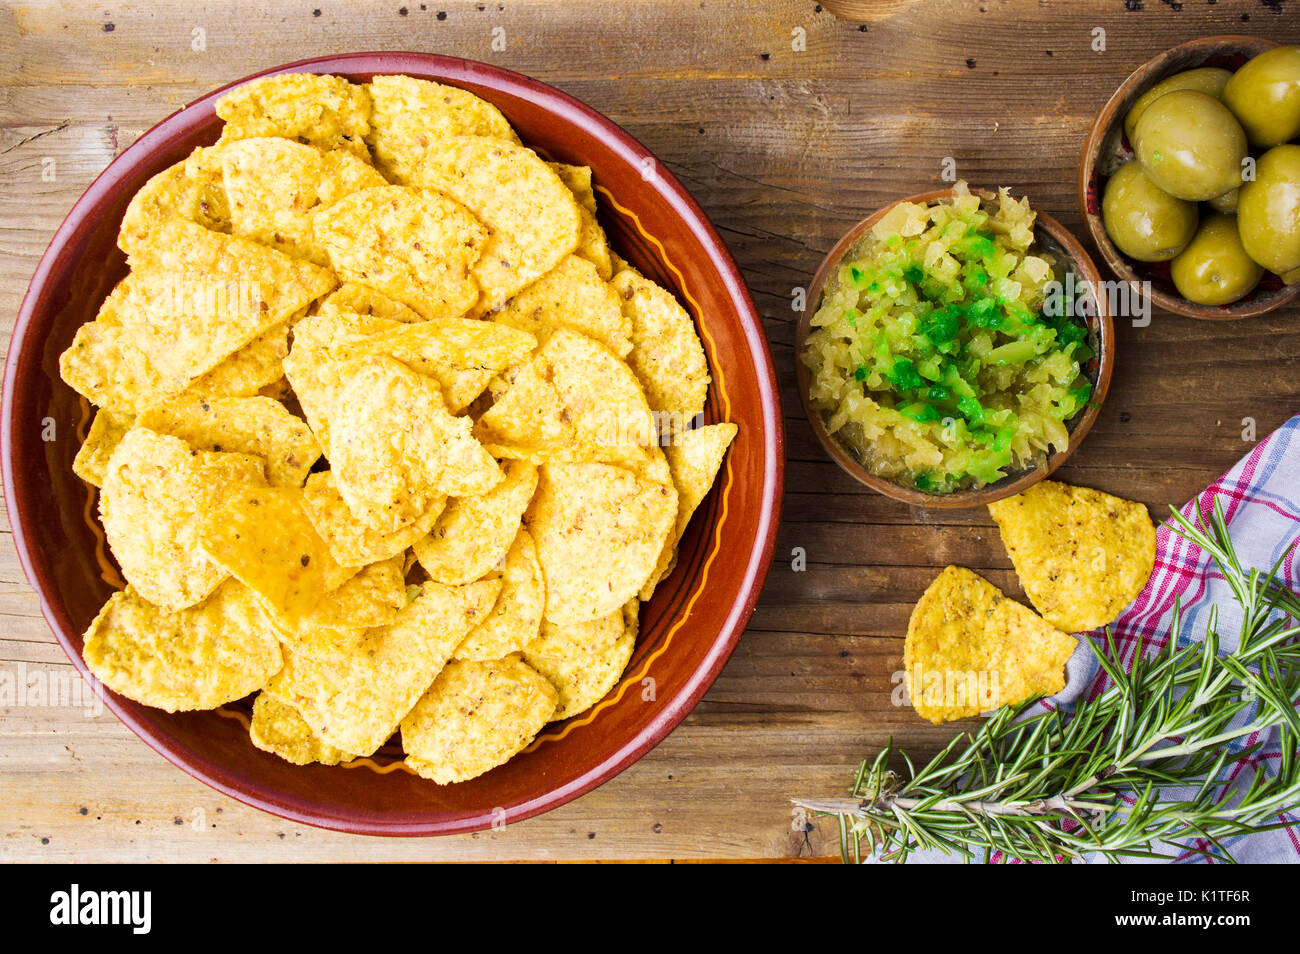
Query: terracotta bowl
1107	148
688	629
1049	236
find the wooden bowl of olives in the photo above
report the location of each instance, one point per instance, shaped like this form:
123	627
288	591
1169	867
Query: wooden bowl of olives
1190	178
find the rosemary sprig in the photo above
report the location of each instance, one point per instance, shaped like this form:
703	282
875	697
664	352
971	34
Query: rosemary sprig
1054	787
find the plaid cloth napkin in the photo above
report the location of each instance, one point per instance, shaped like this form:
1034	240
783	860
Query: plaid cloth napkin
1260	497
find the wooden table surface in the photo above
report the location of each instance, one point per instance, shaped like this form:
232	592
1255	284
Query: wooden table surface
788	125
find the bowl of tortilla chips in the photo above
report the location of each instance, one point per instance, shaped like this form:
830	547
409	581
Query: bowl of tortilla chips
393	442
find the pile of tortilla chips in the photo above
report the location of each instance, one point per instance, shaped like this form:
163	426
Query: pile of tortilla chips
1082	557
385	430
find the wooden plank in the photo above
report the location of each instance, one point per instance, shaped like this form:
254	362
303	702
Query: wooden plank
785	149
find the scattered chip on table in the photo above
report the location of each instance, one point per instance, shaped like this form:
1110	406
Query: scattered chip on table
200	657
970	649
1081	555
476	716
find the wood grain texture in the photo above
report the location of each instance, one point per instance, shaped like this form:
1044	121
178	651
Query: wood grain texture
784	149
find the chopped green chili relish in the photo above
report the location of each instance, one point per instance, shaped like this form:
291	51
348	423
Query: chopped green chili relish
932	358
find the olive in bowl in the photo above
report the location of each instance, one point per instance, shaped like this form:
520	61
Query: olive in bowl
1268	213
1167	164
1191	145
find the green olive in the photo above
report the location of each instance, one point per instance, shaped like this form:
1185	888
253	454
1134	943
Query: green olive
1144	221
1208	79
1191	145
1265	96
1268	212
1226	202
1214	269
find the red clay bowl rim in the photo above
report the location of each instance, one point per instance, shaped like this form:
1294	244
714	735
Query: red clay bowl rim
1248	307
572	112
1013	483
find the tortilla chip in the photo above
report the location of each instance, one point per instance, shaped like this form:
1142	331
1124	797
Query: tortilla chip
410	115
277	390
592	243
694	459
196	658
357	299
191	300
155	495
571	295
394	448
274	185
317	378
461	354
351	542
191	189
582	660
414	246
667	355
106	432
323	111
265	539
528	420
254	425
476	716
517	616
332	329
353	695
600	394
599	530
578	401
474	532
1081	555
970	649
371	598
532	216
252	369
653	466
279	729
